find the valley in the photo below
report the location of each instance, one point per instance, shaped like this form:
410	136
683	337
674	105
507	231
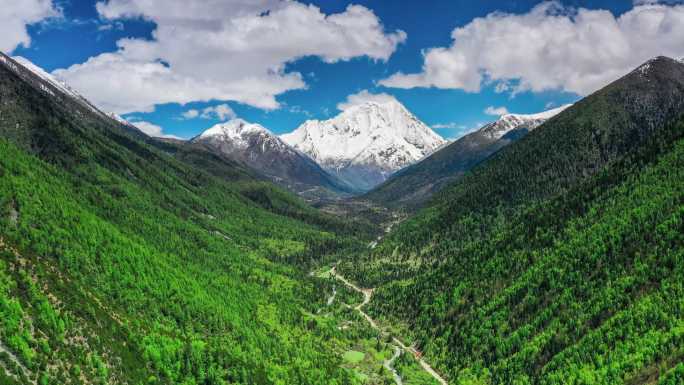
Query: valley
363	249
399	346
391	341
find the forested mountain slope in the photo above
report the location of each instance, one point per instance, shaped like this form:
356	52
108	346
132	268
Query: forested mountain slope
561	258
577	143
120	263
412	186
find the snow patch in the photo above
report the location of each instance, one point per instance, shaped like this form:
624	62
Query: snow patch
510	122
543	115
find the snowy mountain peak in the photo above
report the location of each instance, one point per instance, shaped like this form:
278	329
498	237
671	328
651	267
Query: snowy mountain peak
366	143
241	134
655	63
234	129
509	122
376	107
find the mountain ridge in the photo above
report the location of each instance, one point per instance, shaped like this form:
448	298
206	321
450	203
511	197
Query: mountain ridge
412	186
509	122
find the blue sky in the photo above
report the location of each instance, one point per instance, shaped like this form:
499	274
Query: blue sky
77	31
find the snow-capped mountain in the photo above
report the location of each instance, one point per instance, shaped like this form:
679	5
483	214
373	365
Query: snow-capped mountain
366	143
414	185
240	134
258	148
509	122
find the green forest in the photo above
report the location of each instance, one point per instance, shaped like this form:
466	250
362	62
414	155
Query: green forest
131	260
559	260
123	263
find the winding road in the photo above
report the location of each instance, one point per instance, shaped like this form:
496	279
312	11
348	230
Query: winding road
389	365
398	344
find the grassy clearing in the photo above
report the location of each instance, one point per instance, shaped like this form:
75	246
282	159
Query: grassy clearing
353	356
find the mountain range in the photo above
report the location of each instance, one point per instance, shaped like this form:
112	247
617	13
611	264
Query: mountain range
413	185
356	151
261	150
540	249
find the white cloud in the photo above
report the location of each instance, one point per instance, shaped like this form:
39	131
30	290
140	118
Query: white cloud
16	15
115	26
496	111
220	112
190	114
455	130
551	47
300	110
502	87
451	126
153	130
123	85
364	97
236	50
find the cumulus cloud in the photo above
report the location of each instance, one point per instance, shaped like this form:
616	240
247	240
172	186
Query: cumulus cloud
221	112
190	114
363	97
153	130
496	111
236	50
550	47
16	15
